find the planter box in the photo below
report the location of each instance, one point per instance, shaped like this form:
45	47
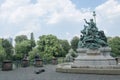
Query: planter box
25	63
7	65
54	61
38	63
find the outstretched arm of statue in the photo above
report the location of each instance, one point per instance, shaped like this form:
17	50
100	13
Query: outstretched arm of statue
86	21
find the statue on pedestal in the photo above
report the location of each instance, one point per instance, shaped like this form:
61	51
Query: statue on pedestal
91	37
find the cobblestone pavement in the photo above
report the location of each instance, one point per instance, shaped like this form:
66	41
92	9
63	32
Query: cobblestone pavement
50	74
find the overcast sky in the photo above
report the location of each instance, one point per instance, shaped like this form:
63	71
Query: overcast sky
63	18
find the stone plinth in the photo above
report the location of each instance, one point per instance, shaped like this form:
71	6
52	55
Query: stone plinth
94	57
91	61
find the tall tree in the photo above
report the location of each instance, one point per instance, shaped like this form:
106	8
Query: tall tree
74	43
23	48
20	38
32	40
49	46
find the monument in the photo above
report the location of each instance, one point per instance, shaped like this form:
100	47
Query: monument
93	53
93	49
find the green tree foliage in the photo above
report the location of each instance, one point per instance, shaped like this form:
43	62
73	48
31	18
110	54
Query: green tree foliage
66	46
2	51
32	40
74	43
33	53
20	38
22	48
114	43
8	48
23	45
49	46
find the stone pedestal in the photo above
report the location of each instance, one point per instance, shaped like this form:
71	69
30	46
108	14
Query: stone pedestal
25	63
38	63
7	65
94	58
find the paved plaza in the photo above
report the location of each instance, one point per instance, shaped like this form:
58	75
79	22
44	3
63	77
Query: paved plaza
50	74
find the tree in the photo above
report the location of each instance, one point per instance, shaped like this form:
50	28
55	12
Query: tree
74	43
115	45
66	46
8	48
49	46
32	40
23	48
20	38
33	53
2	51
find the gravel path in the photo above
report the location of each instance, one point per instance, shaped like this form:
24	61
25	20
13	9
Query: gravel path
50	74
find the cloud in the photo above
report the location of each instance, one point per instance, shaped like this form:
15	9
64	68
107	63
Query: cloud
110	9
24	17
108	17
19	15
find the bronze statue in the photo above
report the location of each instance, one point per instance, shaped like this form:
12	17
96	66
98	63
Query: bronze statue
91	37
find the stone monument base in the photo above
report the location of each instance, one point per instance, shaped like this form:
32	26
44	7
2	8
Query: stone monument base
96	61
94	57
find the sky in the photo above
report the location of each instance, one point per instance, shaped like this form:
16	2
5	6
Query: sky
62	18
